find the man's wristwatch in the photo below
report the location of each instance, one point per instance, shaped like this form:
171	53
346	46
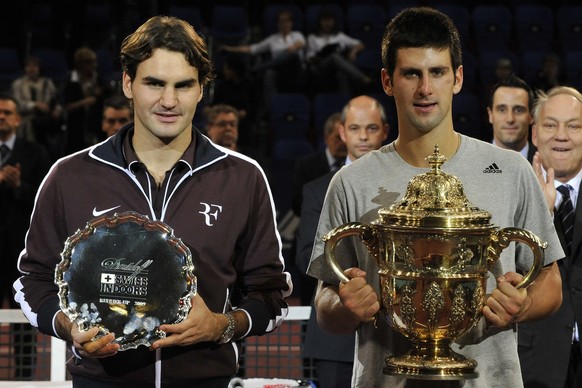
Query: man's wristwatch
229	331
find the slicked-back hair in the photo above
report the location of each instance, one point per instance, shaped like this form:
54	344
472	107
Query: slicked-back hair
543	97
420	27
513	82
6	96
169	33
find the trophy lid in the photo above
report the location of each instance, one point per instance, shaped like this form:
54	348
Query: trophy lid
435	200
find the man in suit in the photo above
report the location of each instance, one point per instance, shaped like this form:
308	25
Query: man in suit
312	166
23	165
363	128
307	168
510	114
549	349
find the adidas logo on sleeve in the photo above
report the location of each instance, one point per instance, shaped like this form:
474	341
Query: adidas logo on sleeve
492	169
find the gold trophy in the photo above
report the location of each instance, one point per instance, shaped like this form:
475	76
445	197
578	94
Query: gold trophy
434	250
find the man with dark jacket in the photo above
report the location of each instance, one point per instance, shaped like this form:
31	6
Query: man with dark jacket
23	164
549	349
363	128
310	167
216	202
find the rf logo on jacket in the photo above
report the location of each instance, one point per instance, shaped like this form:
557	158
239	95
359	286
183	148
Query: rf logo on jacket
210	212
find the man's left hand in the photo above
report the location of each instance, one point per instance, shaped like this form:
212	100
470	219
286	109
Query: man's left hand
11	175
506	303
200	325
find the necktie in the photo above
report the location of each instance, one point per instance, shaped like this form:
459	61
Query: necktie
337	165
33	93
565	214
4	151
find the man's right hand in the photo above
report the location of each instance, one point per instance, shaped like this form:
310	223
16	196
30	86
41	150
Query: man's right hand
88	346
547	182
358	296
84	341
343	309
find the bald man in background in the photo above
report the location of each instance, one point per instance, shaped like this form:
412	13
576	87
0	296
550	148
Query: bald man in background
363	129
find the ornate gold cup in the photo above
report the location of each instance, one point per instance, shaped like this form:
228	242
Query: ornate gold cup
434	250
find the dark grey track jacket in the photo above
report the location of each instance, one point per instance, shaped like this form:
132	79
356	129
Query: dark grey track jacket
217	202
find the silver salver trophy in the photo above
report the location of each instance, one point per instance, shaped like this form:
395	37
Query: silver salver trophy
127	275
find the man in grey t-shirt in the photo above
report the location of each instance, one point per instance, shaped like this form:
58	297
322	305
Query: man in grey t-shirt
422	71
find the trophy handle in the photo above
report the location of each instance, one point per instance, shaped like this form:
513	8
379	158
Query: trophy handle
501	239
364	232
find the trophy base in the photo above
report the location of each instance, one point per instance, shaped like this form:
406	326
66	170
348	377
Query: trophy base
430	367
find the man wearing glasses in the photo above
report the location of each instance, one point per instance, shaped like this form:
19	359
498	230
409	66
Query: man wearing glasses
222	126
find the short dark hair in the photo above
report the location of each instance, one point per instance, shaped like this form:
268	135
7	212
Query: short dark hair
420	27
117	102
513	81
217	109
167	33
329	124
31	59
4	96
326	14
285	12
84	54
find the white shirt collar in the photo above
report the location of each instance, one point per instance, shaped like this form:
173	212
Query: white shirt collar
523	151
10	142
330	159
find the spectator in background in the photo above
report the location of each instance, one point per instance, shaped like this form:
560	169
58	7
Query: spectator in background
222	126
510	114
284	70
308	168
503	69
239	90
38	98
23	165
83	94
551	74
312	166
331	55
363	128
550	348
116	113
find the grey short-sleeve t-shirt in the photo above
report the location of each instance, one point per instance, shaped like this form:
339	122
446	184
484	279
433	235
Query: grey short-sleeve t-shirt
499	181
